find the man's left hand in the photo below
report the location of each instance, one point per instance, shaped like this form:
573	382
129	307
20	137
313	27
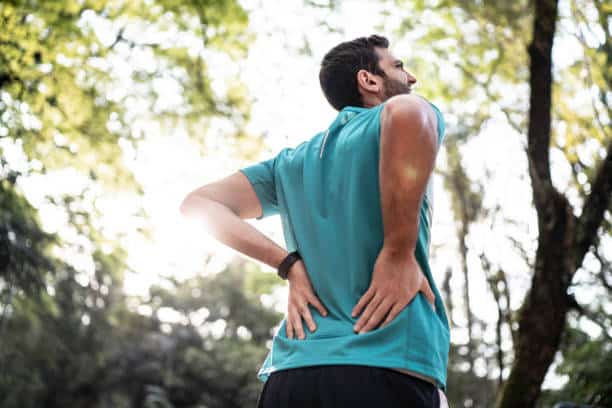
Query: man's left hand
300	295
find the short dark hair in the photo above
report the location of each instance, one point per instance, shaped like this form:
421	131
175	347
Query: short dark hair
338	74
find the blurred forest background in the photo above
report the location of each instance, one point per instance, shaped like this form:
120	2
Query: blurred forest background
522	249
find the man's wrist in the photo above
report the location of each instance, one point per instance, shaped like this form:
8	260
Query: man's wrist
277	257
292	268
397	251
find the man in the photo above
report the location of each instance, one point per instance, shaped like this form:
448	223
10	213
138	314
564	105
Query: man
355	203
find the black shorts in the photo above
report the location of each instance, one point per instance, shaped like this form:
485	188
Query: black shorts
337	386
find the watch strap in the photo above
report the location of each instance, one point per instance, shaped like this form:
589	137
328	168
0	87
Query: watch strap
285	265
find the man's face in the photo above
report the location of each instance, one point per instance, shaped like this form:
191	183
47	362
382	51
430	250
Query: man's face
397	80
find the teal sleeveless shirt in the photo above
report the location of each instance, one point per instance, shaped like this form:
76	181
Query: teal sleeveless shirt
326	191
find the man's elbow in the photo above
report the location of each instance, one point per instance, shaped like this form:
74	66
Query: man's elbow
185	205
191	202
200	202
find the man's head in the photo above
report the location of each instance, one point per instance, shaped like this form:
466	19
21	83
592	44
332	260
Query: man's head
363	72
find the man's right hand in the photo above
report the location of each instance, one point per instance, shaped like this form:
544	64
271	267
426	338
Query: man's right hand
396	279
300	295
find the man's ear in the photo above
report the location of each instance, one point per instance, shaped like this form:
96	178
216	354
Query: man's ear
368	82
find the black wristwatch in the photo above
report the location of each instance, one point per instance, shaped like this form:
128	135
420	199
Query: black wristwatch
285	265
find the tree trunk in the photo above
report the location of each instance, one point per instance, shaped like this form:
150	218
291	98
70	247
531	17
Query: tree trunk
563	239
542	316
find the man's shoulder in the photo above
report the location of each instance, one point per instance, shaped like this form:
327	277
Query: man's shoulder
416	115
408	104
409	111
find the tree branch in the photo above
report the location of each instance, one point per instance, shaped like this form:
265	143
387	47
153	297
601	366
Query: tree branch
605	268
595	206
132	44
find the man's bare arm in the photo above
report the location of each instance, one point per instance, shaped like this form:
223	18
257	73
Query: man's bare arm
407	155
222	206
408	145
